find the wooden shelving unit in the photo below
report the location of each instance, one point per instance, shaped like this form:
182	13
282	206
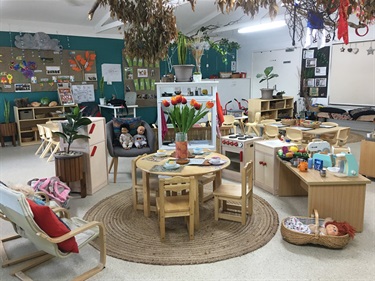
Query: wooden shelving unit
271	109
27	119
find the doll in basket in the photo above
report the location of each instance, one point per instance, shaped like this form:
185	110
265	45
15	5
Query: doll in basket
329	227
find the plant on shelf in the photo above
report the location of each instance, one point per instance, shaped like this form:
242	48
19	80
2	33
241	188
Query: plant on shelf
197	46
183	71
70	132
6	111
266	76
101	91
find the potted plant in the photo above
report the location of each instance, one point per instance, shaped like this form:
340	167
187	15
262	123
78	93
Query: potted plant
7	128
183	71
68	163
197	46
101	91
265	76
70	129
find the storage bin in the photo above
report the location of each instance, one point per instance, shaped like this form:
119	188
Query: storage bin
25	114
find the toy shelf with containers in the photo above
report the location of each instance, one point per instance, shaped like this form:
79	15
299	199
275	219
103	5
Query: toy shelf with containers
272	108
27	119
201	92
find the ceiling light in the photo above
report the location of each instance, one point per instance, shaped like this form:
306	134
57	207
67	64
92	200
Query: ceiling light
261	27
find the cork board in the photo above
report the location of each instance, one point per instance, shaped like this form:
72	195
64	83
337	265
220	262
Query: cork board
40	70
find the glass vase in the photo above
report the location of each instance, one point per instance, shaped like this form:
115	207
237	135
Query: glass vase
181	145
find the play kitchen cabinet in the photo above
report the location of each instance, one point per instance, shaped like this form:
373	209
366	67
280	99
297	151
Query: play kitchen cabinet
95	154
266	165
201	92
27	119
271	109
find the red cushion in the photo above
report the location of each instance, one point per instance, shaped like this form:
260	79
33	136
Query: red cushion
47	220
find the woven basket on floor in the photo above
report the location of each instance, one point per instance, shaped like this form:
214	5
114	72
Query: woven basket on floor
298	238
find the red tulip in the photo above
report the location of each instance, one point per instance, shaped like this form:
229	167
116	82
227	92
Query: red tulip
174	101
209	104
166	103
183	100
178	98
197	105
192	102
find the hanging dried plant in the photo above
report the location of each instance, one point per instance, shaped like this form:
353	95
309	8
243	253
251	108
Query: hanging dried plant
150	26
248	7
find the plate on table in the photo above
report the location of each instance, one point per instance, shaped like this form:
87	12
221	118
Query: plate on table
221	162
161	154
172	167
198	153
333	169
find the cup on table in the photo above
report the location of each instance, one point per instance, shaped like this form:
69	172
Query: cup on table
161	151
215	160
198	150
170	164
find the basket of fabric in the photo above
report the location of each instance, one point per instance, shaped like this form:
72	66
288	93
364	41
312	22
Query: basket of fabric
299	238
311	124
288	121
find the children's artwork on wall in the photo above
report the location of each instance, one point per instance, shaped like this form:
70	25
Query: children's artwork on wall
142	72
83	93
42	70
38	41
25	87
111	72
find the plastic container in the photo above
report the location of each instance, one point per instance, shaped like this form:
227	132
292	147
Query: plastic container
310	163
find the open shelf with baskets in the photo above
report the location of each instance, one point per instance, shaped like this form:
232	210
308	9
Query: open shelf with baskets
271	109
27	119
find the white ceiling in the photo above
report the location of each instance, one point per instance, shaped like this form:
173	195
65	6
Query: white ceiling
69	17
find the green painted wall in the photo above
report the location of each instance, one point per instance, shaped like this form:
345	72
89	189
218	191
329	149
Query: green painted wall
109	51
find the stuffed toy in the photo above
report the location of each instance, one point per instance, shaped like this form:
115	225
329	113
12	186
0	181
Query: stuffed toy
126	139
328	227
140	139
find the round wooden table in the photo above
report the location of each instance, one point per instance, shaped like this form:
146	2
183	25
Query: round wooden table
153	164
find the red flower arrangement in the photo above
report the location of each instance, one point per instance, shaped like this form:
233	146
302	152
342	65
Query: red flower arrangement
184	115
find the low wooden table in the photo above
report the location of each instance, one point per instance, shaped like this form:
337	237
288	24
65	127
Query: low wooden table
342	198
149	163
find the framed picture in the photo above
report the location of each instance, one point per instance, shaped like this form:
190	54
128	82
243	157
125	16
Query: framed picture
142	72
65	96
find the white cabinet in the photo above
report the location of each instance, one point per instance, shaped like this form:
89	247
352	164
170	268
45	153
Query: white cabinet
95	154
201	92
267	165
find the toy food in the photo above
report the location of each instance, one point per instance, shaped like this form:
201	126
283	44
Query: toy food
52	103
303	166
44	101
35	104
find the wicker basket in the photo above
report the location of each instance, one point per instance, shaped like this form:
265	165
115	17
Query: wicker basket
288	122
314	124
298	238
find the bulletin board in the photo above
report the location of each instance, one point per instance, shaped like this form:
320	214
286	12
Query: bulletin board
41	70
314	72
140	76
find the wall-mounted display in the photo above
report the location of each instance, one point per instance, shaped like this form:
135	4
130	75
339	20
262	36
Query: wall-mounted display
314	72
31	70
140	76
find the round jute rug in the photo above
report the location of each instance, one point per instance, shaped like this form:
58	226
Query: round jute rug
133	237
354	137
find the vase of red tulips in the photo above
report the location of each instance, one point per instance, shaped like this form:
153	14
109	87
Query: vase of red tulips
183	116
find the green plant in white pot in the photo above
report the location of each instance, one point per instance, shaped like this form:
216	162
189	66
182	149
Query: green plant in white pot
183	71
266	76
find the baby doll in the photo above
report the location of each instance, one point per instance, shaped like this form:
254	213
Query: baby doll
140	138
126	138
329	227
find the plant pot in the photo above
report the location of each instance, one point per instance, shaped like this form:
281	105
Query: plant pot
8	130
183	72
197	77
69	168
266	94
102	101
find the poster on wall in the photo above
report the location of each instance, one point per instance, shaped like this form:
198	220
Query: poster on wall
65	96
314	72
